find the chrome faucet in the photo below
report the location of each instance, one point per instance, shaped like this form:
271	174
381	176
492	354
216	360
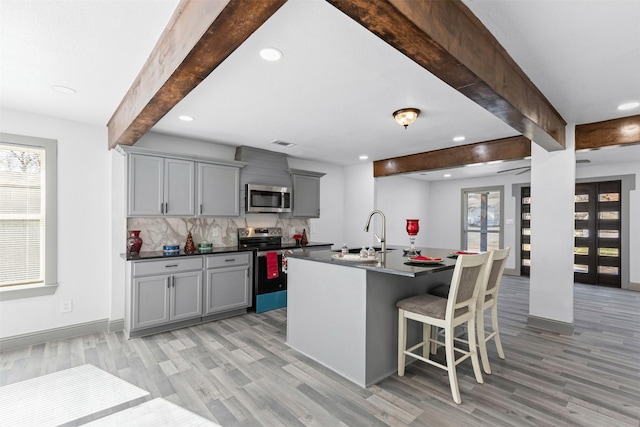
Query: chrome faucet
383	239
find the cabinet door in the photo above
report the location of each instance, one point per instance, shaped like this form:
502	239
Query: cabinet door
227	289
150	301
145	184
218	190
179	182
306	196
186	295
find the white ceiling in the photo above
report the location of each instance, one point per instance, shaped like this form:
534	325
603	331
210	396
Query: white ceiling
337	85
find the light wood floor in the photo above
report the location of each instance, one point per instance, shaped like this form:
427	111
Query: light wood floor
239	372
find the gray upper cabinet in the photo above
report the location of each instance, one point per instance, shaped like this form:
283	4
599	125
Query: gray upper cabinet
160	186
306	193
218	190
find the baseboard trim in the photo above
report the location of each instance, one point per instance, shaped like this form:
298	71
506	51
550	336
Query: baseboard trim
634	286
511	272
551	325
40	337
116	325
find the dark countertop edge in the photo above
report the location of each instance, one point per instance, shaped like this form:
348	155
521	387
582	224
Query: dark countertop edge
216	250
394	263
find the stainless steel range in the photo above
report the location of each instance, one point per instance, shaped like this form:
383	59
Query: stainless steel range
270	281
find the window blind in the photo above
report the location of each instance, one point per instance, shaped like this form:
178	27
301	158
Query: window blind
22	214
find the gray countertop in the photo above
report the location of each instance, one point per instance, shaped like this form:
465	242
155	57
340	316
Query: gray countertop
393	262
214	251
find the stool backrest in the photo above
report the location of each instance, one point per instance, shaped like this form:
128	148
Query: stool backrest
466	283
495	268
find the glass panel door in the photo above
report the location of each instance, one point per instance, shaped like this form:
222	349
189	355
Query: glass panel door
482	224
525	231
597	233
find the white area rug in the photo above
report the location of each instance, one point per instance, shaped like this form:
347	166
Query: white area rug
156	412
63	397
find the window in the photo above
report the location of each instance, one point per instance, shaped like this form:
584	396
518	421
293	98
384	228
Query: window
27	216
482	219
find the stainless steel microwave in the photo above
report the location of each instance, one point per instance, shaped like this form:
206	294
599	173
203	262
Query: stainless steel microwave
267	199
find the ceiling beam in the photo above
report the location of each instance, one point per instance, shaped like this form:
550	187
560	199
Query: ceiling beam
513	148
199	36
446	39
625	130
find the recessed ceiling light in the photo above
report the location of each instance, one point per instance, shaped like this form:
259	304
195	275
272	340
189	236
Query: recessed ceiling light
270	54
495	162
628	106
447	175
459	138
186	118
363	157
63	89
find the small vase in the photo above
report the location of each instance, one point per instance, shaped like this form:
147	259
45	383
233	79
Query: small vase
189	247
134	242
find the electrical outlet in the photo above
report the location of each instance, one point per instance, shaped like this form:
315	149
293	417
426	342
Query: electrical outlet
216	232
66	306
293	231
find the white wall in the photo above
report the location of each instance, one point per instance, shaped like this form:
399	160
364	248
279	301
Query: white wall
84	208
358	203
400	199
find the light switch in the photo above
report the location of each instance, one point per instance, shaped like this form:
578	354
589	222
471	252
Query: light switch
508	222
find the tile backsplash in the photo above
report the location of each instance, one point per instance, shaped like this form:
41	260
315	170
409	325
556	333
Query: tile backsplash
157	232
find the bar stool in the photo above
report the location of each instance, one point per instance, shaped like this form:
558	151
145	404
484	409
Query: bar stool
488	299
458	309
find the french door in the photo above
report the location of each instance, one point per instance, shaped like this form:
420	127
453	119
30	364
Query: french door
597	233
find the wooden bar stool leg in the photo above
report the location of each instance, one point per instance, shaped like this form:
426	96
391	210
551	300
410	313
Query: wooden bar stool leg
474	350
427	331
451	364
402	341
496	331
482	342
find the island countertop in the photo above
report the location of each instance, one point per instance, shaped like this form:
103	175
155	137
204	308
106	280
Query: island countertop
391	262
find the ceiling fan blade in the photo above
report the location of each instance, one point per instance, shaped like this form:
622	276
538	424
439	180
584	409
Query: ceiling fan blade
524	171
515	169
583	161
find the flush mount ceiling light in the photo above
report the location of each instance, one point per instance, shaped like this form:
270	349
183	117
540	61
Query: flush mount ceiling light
363	157
63	89
406	116
270	54
186	118
628	105
459	138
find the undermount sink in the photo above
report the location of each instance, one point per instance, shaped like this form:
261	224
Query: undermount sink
357	250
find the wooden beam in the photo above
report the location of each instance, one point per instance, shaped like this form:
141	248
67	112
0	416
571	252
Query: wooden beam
517	147
200	35
625	130
446	39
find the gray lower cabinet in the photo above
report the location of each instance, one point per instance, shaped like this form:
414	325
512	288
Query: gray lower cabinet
161	293
228	282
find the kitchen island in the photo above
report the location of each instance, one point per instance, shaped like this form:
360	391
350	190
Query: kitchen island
343	314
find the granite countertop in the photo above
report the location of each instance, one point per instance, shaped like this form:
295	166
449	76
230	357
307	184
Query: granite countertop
214	251
393	262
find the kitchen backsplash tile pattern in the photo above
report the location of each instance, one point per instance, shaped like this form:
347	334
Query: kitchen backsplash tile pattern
157	232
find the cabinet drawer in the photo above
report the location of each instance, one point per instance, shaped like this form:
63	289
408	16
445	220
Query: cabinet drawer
166	266
235	258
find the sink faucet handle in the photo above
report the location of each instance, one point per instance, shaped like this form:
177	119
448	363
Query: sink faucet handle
380	239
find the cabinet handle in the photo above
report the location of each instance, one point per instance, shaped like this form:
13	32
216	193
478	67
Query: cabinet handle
200	208
229	260
166	208
169	282
170	265
161	207
173	281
